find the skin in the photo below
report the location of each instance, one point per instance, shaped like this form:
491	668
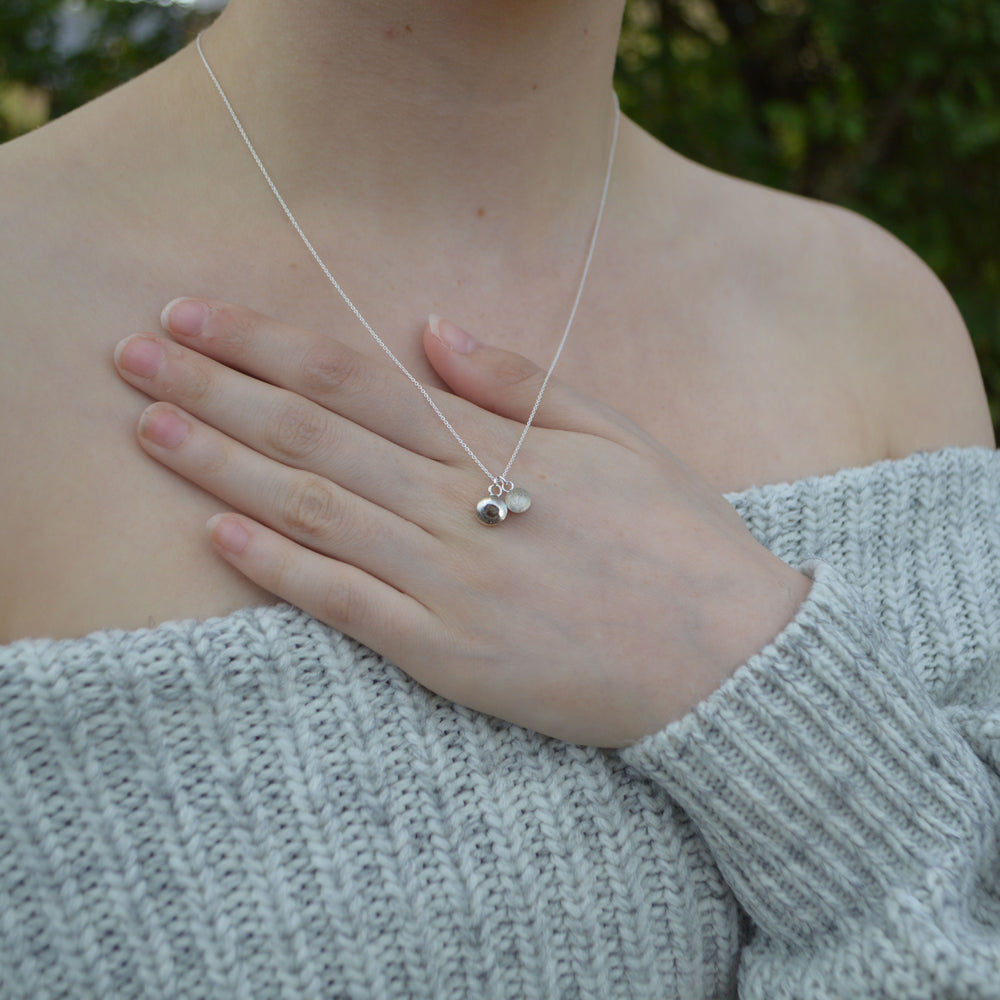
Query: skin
753	336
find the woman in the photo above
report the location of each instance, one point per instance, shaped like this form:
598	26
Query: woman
249	803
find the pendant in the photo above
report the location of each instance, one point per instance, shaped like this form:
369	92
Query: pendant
518	500
495	508
491	510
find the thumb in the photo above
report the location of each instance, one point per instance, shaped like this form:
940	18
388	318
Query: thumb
501	381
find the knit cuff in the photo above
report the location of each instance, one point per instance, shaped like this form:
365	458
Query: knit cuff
822	776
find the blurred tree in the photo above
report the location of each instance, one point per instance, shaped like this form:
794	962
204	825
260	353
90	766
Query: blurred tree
891	108
58	54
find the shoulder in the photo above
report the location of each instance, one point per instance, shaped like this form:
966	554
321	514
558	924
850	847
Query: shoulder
800	338
93	242
905	336
853	297
888	324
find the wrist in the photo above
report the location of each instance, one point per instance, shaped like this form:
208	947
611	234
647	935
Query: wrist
756	600
766	595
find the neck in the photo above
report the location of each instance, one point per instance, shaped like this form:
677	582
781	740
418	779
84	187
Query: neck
420	116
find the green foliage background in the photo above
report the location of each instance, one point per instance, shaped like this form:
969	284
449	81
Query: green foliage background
890	107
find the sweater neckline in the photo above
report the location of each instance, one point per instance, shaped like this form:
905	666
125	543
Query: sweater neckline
847	479
853	476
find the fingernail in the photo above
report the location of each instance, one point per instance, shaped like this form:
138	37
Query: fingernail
164	427
228	534
140	356
453	337
185	317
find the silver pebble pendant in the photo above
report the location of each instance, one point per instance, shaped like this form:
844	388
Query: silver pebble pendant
491	510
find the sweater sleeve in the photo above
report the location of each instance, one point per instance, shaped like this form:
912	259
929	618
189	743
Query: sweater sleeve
857	821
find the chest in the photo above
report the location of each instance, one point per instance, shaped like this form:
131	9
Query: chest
96	534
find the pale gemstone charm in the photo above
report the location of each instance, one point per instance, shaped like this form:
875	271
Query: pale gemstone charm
518	500
491	510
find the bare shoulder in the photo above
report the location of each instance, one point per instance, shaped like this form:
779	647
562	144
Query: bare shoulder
36	263
32	373
800	337
856	300
909	339
88	257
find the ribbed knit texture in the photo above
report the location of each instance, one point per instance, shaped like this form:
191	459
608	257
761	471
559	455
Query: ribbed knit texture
257	807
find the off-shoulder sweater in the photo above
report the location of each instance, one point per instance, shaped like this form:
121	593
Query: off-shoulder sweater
256	806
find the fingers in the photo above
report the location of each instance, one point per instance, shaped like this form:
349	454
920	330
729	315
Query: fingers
275	422
307	508
340	594
371	393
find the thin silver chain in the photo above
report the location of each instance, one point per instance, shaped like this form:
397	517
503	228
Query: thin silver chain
500	480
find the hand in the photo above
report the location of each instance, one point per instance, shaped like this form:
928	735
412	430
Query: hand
627	593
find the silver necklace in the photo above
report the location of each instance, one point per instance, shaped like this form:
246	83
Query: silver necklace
503	495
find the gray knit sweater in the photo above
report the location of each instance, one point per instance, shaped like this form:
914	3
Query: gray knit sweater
257	807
